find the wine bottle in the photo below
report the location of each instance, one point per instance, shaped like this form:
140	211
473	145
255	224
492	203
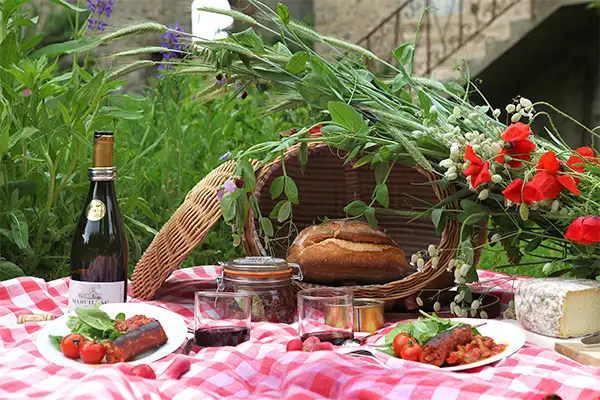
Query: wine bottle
99	252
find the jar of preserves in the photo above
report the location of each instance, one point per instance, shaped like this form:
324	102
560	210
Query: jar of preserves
269	281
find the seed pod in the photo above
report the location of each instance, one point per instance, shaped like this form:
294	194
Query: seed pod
420	302
420	263
414	258
437	306
483	315
435	261
524	211
555	205
496	178
515	117
464	269
431	249
495	238
483	195
496	113
475	304
547	268
510	108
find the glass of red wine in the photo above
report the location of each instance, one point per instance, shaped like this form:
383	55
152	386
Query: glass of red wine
221	318
326	313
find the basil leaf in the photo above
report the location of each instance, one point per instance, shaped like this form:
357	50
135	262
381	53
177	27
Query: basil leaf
56	340
120	316
95	318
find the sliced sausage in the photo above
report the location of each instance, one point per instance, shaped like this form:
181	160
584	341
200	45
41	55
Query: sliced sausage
135	341
436	349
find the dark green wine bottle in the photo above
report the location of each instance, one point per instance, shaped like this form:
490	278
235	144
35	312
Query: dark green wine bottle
99	253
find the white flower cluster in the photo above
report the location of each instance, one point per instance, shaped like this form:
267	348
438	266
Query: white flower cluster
522	109
419	260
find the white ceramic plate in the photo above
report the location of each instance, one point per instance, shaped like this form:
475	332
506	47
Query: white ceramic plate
172	323
501	332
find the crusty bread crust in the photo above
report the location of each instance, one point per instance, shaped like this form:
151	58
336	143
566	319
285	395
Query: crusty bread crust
348	252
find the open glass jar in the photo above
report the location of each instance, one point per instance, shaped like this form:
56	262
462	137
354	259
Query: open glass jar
269	281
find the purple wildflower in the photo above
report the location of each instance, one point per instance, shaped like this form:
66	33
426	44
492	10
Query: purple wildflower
238	86
220	194
26	92
221	79
99	8
229	186
172	40
96	24
225	156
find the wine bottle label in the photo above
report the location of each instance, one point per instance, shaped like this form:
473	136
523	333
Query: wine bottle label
96	210
87	294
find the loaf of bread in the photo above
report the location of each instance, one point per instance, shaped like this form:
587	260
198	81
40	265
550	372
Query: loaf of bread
348	253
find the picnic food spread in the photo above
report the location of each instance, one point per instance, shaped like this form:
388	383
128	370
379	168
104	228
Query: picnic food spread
95	336
558	307
348	252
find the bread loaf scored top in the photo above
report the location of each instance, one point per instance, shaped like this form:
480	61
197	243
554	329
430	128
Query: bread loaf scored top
348	253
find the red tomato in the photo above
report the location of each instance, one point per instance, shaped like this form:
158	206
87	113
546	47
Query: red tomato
71	344
400	341
294	345
411	351
143	370
92	352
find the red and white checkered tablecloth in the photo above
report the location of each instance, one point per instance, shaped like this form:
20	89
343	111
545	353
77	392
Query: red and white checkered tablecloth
260	368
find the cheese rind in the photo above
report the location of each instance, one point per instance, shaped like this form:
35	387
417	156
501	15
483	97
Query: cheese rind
559	307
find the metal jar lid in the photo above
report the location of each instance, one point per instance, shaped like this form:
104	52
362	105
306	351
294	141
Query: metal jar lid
256	268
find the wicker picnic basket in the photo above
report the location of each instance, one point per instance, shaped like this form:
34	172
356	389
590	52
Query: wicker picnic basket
325	187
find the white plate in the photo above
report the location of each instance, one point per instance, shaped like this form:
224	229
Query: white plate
501	332
172	323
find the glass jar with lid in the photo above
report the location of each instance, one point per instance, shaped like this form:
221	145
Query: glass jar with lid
269	281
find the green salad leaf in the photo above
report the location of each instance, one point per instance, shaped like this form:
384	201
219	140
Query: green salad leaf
94	324
424	329
56	340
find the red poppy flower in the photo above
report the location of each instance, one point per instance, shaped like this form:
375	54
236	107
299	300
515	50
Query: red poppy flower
516	145
479	171
548	180
316	131
584	230
577	163
521	192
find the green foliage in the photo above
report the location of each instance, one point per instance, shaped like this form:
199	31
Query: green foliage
166	141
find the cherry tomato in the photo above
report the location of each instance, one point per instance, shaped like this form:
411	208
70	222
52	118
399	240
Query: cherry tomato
411	351
294	345
400	341
92	352
71	344
143	370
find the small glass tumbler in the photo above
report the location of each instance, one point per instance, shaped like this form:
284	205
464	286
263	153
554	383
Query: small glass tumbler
221	318
326	313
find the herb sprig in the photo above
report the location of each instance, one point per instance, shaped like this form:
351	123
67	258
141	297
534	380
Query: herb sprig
91	323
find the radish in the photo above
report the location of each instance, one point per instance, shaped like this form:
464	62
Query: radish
179	366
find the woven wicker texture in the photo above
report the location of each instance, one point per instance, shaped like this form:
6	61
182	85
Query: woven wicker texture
326	186
185	230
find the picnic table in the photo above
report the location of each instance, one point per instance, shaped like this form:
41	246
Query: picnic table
261	368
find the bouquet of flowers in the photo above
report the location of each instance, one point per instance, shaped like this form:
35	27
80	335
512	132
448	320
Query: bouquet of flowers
529	189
